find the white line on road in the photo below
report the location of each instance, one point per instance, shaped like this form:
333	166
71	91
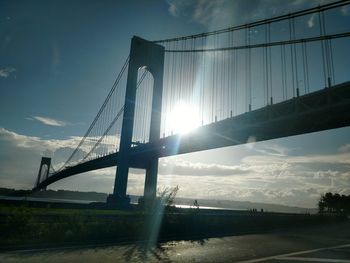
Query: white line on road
284	256
303	259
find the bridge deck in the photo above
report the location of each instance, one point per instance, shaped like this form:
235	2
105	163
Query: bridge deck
321	110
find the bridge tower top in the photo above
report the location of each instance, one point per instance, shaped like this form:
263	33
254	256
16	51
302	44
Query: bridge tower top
45	162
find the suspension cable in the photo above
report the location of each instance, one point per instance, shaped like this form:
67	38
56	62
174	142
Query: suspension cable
114	120
126	63
261	22
261	45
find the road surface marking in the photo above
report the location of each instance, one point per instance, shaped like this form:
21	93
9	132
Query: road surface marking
303	259
297	253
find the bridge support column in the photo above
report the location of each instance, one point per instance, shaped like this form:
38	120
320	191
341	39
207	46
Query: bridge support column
151	56
150	189
45	161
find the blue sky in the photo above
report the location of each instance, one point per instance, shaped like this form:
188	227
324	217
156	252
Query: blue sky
58	60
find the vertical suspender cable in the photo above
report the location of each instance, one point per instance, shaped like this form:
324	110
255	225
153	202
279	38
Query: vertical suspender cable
220	83
295	60
212	80
285	72
201	104
230	94
266	75
185	75
236	82
306	69
249	74
215	78
304	65
221	86
291	54
331	60
246	71
282	72
204	78
166	90
181	77
227	93
322	48
173	84
176	80
192	75
270	61
330	74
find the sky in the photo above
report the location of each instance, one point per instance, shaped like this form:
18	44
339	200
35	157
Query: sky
59	59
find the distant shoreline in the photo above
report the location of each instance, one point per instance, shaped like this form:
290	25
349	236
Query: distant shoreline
57	200
77	197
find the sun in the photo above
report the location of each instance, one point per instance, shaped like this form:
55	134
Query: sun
184	118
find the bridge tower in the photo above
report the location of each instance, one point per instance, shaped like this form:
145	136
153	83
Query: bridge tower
143	54
45	162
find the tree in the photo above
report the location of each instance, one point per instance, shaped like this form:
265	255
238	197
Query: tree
167	196
321	205
196	204
334	203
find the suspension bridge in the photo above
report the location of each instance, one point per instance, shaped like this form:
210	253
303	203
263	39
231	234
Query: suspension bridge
273	78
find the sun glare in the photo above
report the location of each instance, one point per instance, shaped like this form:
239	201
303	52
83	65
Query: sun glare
184	118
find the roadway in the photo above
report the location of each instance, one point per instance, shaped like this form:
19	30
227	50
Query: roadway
320	110
325	243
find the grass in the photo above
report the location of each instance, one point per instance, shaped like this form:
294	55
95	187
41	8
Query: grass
23	225
48	210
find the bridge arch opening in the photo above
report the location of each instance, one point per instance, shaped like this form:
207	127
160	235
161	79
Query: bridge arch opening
144	55
43	172
141	126
143	106
44	169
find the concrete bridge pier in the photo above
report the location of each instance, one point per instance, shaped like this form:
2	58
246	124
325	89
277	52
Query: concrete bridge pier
143	54
150	189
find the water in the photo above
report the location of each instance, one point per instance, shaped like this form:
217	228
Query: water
72	201
210	207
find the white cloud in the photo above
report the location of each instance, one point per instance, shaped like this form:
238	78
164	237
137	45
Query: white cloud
181	8
173	9
345	148
20	156
311	21
345	10
50	121
266	173
177	166
206	11
215	14
238	189
6	72
337	158
272	149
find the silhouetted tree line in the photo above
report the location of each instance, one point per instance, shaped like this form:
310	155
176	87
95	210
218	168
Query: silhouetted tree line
13	192
334	203
65	194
